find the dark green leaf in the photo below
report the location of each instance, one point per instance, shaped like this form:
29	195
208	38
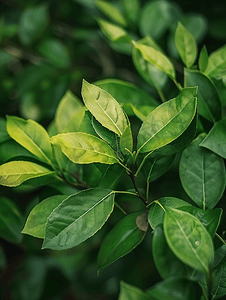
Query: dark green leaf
129	292
3	133
219	255
202	174
126	141
77	218
203	59
122	239
110	175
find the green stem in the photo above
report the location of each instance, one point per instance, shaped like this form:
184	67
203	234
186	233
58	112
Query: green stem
160	204
133	179
126	192
177	85
125	167
125	213
161	95
220	238
142	163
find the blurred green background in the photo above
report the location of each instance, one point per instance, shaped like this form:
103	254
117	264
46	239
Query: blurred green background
46	48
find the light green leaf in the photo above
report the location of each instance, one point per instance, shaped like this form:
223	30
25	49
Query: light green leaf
122	239
157	59
113	32
141	113
77	218
16	172
11	221
203	59
216	138
83	148
167	122
76	122
129	292
111	12
202	174
31	136
33	22
126	141
69	105
188	239
186	45
104	108
36	221
217	63
208	101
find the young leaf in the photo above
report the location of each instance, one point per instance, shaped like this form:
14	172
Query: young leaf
208	101
216	138
188	239
104	108
114	33
11	221
156	58
203	59
122	239
167	122
83	148
36	221
156	212
126	141
16	172
77	218
202	174
186	45
31	136
129	292
217	63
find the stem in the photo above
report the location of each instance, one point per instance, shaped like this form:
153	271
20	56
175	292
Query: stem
161	95
125	167
220	238
132	177
125	192
142	163
125	213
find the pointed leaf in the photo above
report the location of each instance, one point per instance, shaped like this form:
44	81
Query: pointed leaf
202	174
104	108
36	221
203	59
77	218
122	239
83	148
217	63
113	32
167	122
216	138
16	172
188	239
126	141
129	292
186	45
157	59
209	104
31	136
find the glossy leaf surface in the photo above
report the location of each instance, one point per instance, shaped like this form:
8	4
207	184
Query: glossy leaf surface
216	138
217	63
186	45
188	239
16	172
77	218
83	148
36	221
31	136
202	174
167	122
129	292
122	239
209	104
104	108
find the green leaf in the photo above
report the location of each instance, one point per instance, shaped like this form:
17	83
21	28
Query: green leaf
156	212
153	75
175	288
110	175
186	45
131	9
113	32
141	113
69	105
219	255
36	221
77	218
83	148
157	59
16	172
122	239
126	141
216	138
209	218
129	292
167	122
202	174
3	133
217	63
111	12
56	52
11	221
33	22
209	104
126	93
104	108
188	239
31	136
203	59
